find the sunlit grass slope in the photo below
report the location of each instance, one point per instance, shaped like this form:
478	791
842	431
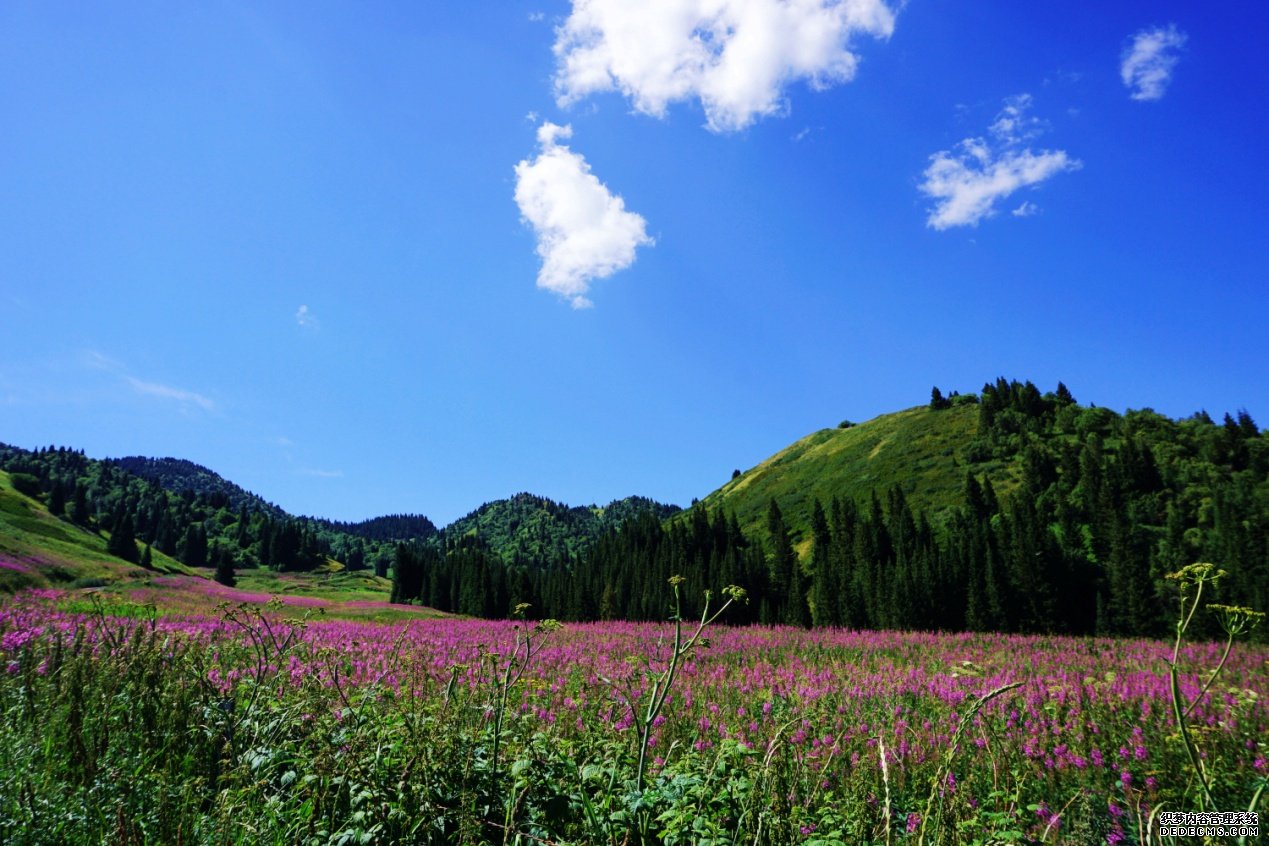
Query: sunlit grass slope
923	452
38	549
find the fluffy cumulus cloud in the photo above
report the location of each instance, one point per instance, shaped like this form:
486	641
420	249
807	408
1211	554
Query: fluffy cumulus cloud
1148	62
584	231
735	56
967	182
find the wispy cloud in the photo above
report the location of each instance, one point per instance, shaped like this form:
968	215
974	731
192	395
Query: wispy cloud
180	395
99	361
187	399
967	182
305	318
1027	209
1147	63
321	474
583	230
735	56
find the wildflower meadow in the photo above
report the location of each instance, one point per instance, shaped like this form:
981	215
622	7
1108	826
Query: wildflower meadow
130	723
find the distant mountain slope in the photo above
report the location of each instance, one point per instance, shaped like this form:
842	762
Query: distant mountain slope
924	452
928	451
389	528
178	475
38	549
531	527
191	513
1012	510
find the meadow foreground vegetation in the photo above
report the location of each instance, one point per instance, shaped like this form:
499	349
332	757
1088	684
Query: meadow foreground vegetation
124	723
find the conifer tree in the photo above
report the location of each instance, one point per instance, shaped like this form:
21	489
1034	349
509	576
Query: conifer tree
224	565
780	564
787	580
407	574
57	499
79	513
826	584
123	541
194	548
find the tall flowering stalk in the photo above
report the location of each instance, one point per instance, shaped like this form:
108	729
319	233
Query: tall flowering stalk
939	779
681	648
527	643
1234	620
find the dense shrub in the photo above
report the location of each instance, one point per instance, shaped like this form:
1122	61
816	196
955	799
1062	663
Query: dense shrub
25	483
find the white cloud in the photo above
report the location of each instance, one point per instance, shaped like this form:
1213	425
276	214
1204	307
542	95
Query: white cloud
306	318
584	232
168	392
1027	209
967	182
1148	62
1013	125
98	361
735	56
321	474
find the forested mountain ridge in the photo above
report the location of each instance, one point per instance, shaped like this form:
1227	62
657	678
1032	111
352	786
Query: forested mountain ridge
201	520
180	511
531	527
38	549
1009	510
1061	518
927	451
524	526
179	475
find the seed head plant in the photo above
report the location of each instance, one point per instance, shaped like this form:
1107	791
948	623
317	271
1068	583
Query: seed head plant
1234	621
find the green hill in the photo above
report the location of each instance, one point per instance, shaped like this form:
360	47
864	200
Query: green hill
925	453
1014	510
178	475
39	550
1008	510
533	528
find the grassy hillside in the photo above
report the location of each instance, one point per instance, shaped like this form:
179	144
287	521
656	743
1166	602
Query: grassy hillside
926	453
37	549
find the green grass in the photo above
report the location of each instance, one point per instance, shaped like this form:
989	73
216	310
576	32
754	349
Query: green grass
923	452
338	586
51	551
131	728
38	549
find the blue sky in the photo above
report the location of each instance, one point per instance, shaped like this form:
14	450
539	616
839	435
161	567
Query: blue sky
368	259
